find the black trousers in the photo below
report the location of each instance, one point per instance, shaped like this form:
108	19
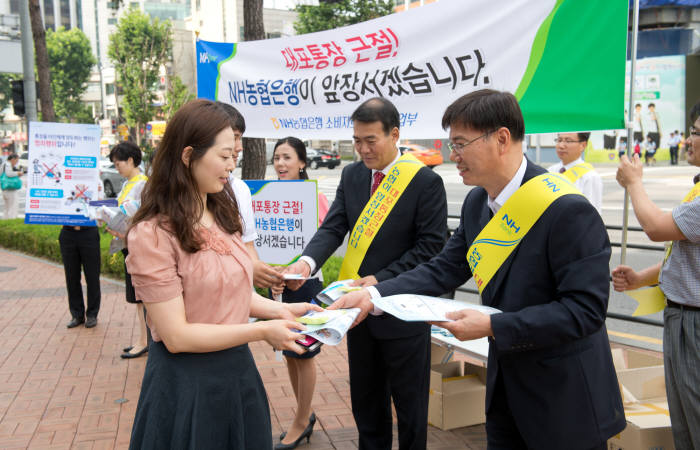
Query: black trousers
674	154
81	248
386	369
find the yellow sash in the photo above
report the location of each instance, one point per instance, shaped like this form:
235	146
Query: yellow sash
375	213
652	299
577	171
129	185
513	221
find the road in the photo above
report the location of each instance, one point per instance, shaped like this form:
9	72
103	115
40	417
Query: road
666	186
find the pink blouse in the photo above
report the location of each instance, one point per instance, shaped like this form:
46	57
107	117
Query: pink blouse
216	282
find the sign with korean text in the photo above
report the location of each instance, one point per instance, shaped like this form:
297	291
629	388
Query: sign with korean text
563	59
63	173
286	217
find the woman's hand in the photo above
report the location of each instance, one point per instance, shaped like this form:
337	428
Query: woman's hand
114	233
279	334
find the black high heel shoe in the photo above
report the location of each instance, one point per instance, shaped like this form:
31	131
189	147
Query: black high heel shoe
312	421
308	431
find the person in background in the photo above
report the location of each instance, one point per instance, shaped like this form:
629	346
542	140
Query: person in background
9	195
126	157
264	276
650	150
673	144
622	146
678	278
201	388
289	161
570	147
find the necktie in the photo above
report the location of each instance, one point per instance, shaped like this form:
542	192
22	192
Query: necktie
376	181
562	170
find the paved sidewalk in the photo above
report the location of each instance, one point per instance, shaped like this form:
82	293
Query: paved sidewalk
62	388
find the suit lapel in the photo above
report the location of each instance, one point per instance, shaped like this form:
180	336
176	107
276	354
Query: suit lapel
531	171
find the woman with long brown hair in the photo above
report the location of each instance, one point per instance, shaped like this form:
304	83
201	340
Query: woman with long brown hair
201	388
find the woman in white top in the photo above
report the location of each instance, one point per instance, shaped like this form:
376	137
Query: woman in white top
9	196
126	157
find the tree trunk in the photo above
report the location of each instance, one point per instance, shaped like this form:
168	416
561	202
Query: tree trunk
254	163
42	62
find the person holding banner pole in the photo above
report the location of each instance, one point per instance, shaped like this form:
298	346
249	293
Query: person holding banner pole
264	276
200	388
678	279
289	161
395	211
539	252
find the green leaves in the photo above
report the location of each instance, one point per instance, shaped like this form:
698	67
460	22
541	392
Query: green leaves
139	48
327	16
70	62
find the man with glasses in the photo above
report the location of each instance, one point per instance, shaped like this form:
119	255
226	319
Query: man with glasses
395	211
570	147
678	278
550	381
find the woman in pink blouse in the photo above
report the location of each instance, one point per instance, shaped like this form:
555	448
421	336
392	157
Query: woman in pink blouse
187	262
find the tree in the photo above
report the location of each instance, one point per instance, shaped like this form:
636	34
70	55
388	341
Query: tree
254	164
5	91
329	15
176	96
139	48
71	60
42	62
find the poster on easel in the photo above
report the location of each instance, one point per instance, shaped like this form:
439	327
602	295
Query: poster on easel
63	173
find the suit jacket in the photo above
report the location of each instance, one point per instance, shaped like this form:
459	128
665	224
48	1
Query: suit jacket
414	231
550	343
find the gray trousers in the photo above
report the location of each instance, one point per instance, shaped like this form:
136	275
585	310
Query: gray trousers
682	369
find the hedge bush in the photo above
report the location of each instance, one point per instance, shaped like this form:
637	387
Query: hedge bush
42	241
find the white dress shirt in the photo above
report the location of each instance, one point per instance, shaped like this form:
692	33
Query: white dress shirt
245	208
512	186
590	184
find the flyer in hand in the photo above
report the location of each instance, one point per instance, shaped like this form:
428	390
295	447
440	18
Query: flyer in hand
422	308
328	327
336	290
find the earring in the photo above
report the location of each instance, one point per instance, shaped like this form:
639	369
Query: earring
301	170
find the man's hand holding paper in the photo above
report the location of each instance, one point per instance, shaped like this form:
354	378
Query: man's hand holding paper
360	299
467	324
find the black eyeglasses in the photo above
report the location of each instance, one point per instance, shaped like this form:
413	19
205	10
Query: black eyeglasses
459	148
565	141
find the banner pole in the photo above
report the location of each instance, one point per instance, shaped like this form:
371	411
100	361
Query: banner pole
630	126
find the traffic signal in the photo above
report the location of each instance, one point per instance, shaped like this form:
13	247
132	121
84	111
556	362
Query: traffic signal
18	97
114	126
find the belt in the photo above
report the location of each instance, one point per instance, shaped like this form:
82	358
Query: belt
673	304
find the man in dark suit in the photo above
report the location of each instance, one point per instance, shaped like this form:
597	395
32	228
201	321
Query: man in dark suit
389	359
551	382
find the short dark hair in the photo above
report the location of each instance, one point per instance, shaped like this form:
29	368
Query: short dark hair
638	104
378	109
236	118
300	150
486	110
125	150
651	105
694	112
583	136
12	156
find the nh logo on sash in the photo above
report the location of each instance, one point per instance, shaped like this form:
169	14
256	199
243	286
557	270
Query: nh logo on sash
510	223
550	184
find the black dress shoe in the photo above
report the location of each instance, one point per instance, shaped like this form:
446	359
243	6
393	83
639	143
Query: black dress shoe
312	421
75	321
91	322
128	349
308	431
127	355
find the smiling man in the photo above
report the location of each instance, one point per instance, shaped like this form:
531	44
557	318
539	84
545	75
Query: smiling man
570	147
395	210
551	382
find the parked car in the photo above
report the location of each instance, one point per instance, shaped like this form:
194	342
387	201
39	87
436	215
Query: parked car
111	180
428	156
322	158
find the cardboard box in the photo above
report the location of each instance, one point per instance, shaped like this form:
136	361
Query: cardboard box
457	395
643	389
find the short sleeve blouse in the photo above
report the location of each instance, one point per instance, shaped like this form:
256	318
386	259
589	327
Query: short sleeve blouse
215	282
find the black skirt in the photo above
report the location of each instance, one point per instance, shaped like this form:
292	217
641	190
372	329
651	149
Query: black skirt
305	293
201	400
130	292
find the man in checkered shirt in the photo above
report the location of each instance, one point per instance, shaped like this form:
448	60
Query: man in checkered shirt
678	276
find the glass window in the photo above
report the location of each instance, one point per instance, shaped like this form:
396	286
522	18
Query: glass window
109	88
48	15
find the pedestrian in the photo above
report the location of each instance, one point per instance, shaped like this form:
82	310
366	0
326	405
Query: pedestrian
389	359
550	381
126	157
187	262
80	248
678	279
289	161
673	145
650	151
11	183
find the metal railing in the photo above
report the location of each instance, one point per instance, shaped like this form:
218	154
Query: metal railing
610	315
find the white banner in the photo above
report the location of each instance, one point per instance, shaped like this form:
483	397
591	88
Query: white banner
63	173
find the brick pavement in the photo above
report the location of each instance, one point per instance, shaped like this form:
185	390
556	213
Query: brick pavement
62	388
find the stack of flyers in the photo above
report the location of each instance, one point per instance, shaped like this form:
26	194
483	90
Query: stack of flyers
336	290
